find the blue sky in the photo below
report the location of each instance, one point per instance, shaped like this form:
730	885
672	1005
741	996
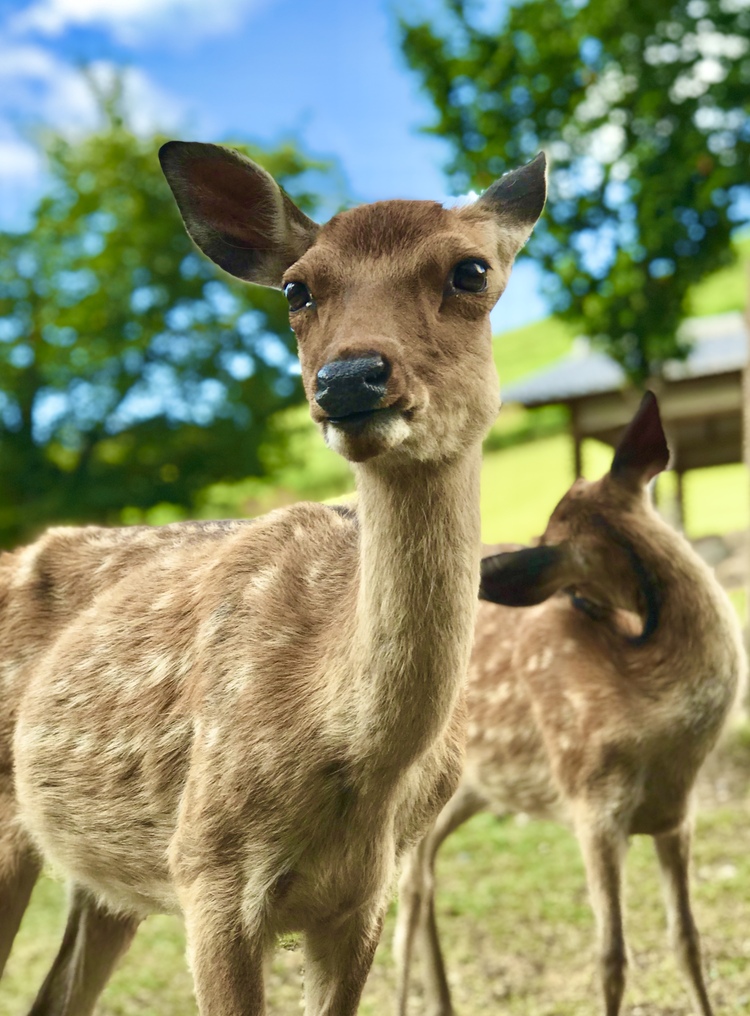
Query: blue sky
328	72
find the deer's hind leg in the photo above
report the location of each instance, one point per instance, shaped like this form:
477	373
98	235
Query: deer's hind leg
416	925
93	942
19	870
673	851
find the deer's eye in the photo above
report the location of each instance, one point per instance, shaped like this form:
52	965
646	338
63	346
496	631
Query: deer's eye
298	295
470	276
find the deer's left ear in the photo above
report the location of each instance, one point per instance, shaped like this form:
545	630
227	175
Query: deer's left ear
643	451
516	201
522	578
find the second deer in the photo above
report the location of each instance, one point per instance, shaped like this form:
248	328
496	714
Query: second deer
596	705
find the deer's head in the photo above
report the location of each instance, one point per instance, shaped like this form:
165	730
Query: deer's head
389	302
590	546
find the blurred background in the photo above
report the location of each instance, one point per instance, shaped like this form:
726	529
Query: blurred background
138	383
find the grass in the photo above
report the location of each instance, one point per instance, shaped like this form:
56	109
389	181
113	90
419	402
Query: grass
515	924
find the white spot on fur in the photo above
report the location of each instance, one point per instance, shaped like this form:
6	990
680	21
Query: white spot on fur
532	664
211	738
502	693
263	579
576	699
160	669
315	572
546	658
27	565
240	679
163	601
84	744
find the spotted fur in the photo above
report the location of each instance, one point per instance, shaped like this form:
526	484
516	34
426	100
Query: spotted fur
595	707
248	723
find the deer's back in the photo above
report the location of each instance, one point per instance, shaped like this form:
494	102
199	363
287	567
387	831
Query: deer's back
562	706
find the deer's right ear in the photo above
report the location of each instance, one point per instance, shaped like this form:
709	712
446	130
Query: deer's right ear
522	578
516	200
235	211
643	451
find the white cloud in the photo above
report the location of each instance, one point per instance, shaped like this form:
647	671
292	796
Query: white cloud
18	159
133	22
38	86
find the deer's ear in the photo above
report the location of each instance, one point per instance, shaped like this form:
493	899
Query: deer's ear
516	201
643	451
522	578
235	211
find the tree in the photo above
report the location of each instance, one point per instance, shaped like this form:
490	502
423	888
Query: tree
644	108
131	371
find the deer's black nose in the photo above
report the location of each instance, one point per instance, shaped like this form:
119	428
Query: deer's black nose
352	386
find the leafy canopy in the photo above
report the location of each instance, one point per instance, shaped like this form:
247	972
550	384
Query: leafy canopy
132	372
644	108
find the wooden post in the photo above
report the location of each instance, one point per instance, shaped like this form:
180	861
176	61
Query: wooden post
680	500
577	443
746	453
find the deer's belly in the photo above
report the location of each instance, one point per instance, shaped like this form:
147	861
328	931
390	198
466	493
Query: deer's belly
99	771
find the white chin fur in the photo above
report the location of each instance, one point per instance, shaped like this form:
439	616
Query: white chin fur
383	432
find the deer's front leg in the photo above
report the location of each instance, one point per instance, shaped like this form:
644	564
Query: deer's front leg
225	954
603	849
338	960
673	851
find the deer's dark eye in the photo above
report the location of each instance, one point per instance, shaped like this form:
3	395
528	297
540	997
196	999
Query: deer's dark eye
470	276
298	295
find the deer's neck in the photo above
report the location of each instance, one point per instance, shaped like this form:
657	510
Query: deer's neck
419	575
696	622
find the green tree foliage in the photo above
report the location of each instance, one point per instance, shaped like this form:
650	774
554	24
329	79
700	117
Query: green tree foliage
644	108
132	372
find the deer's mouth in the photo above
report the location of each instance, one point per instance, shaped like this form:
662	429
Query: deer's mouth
360	436
353	422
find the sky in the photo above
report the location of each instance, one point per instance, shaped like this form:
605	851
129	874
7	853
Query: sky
327	72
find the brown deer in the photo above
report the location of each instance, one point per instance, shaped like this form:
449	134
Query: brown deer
595	705
248	723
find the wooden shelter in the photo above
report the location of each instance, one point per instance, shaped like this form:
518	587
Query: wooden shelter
701	398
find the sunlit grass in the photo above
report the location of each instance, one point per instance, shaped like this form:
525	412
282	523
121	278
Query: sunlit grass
515	924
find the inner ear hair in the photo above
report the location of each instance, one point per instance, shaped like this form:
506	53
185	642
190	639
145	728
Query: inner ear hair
235	211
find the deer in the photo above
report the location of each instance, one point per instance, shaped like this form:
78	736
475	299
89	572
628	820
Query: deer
248	723
606	662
